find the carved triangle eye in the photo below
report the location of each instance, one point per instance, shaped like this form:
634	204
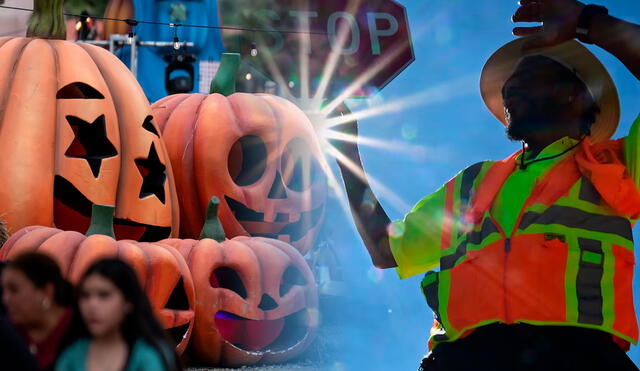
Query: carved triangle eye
153	175
90	143
78	90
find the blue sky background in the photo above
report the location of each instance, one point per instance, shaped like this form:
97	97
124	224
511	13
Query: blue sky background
386	319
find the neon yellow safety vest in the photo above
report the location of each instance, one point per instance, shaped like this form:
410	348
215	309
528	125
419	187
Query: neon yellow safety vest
568	261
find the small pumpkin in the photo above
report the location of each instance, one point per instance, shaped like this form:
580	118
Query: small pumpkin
162	271
256	298
257	153
84	136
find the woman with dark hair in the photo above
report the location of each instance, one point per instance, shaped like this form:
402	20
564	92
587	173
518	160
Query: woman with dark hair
38	303
120	331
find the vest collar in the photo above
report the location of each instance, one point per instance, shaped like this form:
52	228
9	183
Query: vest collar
554	148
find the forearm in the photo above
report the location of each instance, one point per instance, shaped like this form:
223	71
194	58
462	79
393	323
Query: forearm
618	37
369	216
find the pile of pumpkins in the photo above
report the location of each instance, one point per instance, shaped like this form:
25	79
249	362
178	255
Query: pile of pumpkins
94	171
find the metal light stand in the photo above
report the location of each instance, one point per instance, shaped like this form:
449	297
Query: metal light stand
120	40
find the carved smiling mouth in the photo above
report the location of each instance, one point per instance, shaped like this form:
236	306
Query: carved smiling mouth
263	336
72	211
295	230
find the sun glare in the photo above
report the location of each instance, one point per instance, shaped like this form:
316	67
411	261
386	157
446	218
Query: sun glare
322	111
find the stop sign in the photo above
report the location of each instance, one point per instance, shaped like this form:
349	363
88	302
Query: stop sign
369	38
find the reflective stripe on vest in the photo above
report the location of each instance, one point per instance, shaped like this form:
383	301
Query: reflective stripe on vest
569	260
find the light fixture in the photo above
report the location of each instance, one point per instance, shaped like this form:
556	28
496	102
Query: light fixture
254	50
84	26
132	24
176	41
248	76
179	74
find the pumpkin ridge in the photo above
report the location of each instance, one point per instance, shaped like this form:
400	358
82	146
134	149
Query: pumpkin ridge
191	252
147	263
186	96
73	260
189	146
175	100
156	245
278	119
198	154
231	109
56	133
4	40
194	128
278	124
10	76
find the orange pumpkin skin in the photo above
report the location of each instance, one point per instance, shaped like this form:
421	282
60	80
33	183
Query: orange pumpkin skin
161	270
84	136
204	134
235	327
119	9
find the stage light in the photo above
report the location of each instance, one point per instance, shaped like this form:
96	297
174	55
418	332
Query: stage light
179	74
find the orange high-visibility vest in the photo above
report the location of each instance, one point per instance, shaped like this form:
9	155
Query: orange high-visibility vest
568	261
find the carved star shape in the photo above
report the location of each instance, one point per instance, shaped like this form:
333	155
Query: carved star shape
153	174
90	143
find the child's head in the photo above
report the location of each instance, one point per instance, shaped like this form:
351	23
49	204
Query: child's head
110	299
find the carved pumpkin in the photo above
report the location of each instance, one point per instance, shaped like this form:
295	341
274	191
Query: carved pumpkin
118	9
258	153
256	299
77	130
162	271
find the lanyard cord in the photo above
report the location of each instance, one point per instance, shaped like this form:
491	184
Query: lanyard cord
523	166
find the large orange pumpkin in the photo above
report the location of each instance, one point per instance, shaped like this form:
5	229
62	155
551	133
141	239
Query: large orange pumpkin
256	298
76	129
162	271
258	153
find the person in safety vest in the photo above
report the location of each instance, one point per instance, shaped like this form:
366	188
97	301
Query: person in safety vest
535	252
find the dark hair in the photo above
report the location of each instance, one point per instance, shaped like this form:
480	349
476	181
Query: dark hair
42	270
140	322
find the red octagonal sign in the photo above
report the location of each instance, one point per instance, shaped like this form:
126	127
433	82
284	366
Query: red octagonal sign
331	46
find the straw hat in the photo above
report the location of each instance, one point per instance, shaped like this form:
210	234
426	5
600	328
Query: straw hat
572	55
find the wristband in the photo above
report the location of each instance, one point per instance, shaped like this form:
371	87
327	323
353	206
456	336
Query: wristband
584	21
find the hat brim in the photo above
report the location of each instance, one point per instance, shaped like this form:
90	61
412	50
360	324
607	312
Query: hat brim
571	54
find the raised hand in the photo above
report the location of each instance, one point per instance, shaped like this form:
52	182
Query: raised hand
558	17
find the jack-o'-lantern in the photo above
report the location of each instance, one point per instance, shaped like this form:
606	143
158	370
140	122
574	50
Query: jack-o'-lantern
256	298
76	130
161	270
258	153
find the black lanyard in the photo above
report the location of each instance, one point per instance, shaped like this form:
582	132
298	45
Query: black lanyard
523	166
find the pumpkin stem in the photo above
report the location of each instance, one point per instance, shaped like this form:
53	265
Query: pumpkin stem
47	20
224	81
101	220
212	227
